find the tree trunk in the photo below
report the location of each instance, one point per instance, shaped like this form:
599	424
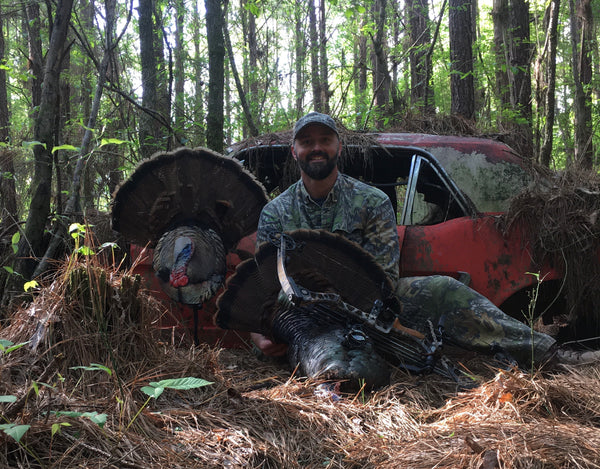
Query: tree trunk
420	59
550	96
381	75
361	91
149	127
500	17
238	83
32	243
199	127
215	21
324	67
180	53
73	201
582	38
314	57
300	55
521	54
8	194
461	59
36	57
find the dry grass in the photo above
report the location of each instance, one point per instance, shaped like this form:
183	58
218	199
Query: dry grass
256	414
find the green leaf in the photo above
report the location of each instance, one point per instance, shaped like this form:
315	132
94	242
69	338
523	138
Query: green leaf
181	383
98	419
14	241
33	143
76	229
155	389
57	426
11	347
64	147
10	270
113	141
93	367
15	431
4	343
8	398
152	391
85	251
30	285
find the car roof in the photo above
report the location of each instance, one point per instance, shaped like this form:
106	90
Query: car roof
488	171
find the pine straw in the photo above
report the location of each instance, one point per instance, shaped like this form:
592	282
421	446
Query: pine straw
561	214
257	414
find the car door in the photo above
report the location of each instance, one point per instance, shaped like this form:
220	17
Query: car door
444	234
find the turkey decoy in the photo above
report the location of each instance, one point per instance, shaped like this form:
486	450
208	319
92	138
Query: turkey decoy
192	206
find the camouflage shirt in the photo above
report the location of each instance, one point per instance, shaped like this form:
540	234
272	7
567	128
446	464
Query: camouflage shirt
361	213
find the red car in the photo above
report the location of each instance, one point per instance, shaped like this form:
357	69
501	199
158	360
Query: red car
449	193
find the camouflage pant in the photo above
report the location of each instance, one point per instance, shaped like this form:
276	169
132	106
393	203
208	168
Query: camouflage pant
470	320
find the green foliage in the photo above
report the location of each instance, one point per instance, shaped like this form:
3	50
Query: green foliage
94	367
14	431
6	346
95	417
155	389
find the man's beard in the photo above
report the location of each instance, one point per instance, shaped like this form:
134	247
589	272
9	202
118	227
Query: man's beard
320	170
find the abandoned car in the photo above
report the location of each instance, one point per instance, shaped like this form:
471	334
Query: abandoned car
450	194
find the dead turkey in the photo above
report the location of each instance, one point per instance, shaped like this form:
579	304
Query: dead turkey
333	278
191	206
335	307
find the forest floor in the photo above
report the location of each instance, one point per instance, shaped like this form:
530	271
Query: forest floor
86	381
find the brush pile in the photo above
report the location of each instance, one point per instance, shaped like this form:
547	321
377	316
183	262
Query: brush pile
561	214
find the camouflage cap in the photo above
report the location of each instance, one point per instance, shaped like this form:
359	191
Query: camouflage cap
315	118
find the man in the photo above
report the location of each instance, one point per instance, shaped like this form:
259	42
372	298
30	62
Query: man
324	198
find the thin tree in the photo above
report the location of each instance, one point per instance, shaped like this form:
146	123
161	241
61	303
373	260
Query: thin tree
381	75
549	94
323	64
73	201
238	83
31	244
8	193
150	131
421	91
198	100
315	77
581	38
519	75
215	21
300	54
500	15
179	72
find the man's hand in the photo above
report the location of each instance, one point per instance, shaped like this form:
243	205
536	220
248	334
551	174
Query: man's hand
267	346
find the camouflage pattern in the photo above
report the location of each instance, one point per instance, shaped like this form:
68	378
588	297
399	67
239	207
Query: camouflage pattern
364	214
469	319
359	212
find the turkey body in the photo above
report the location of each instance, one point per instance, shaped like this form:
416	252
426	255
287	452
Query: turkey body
333	352
190	263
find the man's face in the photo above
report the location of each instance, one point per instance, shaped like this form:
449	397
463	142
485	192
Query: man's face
316	149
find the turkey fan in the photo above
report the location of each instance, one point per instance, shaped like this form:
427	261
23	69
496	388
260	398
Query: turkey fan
192	206
323	346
